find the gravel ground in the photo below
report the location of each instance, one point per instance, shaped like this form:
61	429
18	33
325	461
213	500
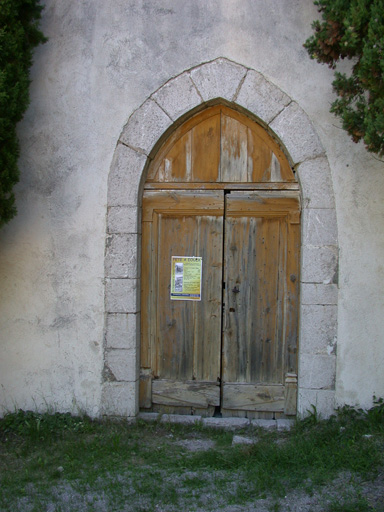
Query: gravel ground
67	497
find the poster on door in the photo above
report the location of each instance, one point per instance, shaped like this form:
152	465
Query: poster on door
186	277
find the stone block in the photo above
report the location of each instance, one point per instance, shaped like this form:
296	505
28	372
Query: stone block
316	183
226	423
284	424
120	399
265	424
177	96
121	330
319	294
123	219
148	416
121	256
318	329
124	177
121	296
218	79
322	399
123	364
243	440
319	264
261	97
180	419
145	127
317	371
319	227
293	126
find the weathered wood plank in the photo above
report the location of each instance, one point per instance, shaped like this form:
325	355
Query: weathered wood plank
234	154
182	202
290	397
145	391
206	150
253	397
191	393
221	186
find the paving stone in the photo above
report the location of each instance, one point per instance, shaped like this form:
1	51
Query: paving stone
226	423
266	424
284	424
148	416
243	440
181	419
197	445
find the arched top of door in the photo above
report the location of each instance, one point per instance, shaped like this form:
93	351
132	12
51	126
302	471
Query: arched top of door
220	147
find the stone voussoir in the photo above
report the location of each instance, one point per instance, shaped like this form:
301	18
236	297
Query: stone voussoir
145	127
208	79
261	97
294	128
177	96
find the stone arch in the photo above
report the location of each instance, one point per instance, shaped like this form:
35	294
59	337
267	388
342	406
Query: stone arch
147	127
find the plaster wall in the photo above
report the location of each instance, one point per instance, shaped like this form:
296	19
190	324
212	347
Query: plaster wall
102	61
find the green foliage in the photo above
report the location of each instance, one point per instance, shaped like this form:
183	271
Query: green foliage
354	29
19	35
148	466
39	426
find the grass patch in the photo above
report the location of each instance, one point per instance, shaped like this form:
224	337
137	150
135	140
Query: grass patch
74	463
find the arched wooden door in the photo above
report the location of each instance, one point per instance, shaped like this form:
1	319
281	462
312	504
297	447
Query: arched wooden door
220	272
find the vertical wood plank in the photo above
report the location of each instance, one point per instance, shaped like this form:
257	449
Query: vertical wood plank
206	150
234	146
147	304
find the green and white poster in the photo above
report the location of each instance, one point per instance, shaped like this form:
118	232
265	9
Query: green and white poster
186	277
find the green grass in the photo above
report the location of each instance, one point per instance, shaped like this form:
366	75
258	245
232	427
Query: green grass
118	466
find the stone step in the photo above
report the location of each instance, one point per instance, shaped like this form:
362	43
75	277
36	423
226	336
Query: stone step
215	422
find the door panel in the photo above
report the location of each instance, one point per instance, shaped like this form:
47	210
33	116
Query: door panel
181	338
260	258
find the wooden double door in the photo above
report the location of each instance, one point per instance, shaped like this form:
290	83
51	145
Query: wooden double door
233	351
235	348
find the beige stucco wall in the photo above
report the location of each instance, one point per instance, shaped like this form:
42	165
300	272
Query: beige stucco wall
102	61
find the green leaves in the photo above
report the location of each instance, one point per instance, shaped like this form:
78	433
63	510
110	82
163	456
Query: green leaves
19	35
354	29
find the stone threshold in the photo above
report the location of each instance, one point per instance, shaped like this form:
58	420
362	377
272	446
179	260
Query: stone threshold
225	423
